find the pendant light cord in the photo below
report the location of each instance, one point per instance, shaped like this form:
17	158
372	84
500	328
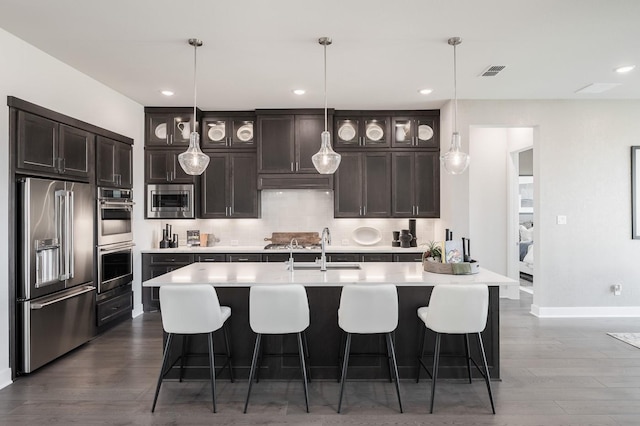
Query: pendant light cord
455	91
325	87
195	63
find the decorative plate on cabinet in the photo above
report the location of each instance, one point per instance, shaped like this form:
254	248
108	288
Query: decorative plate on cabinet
245	132
374	132
347	132
424	132
366	235
161	131
216	132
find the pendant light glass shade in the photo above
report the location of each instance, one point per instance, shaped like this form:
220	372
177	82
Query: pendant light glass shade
326	161
455	161
193	161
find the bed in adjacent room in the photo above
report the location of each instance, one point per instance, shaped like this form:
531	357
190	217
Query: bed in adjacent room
526	250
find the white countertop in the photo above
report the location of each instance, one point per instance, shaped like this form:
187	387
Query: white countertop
247	274
261	249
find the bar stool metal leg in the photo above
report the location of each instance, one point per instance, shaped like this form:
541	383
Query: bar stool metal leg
228	347
256	349
165	361
303	369
466	348
486	373
260	356
436	359
421	353
306	354
212	368
389	366
345	364
395	368
183	356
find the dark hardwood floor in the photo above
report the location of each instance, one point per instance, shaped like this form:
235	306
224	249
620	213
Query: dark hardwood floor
555	372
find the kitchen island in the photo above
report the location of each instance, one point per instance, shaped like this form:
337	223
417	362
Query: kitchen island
233	280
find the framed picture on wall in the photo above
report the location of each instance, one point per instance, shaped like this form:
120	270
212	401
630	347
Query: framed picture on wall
635	195
525	194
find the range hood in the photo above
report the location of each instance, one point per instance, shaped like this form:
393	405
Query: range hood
297	181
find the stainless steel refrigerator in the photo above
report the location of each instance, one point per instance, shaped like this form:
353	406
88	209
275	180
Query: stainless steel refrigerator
55	289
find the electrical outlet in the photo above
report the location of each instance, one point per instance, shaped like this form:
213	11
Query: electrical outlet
345	242
561	220
234	242
617	289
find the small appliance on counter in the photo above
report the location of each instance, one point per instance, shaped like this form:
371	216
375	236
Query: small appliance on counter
405	238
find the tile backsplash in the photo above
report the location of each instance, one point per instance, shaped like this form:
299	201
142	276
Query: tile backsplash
292	211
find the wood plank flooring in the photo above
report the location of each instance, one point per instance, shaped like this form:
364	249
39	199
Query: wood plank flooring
555	372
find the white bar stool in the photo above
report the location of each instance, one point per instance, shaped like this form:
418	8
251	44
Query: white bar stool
456	309
192	309
278	309
368	309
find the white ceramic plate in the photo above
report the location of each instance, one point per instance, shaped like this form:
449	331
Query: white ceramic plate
374	132
366	235
216	133
347	132
245	133
424	132
161	131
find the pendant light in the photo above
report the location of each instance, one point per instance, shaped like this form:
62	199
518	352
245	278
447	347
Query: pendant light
455	161
193	161
326	161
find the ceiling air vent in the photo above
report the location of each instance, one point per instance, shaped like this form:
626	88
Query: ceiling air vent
492	70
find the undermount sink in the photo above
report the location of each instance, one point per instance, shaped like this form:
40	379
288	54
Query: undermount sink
330	265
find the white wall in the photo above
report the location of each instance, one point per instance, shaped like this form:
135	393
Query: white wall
582	169
34	76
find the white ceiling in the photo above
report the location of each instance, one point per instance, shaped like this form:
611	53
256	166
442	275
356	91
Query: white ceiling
256	51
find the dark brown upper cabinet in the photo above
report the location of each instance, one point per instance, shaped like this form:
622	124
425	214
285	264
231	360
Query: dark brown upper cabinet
415	132
286	142
415	184
363	185
48	147
228	187
161	166
114	163
357	129
168	127
228	130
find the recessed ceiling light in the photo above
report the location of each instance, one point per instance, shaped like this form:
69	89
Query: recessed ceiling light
425	91
299	91
625	69
167	92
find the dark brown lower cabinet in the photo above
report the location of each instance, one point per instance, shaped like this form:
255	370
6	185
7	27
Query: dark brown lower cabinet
113	307
363	185
229	186
415	184
154	265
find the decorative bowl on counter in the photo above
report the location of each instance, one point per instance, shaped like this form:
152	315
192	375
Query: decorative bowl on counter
366	235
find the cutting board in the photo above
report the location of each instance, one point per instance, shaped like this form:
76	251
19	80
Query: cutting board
302	237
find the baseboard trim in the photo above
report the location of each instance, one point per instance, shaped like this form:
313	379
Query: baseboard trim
585	311
5	378
137	311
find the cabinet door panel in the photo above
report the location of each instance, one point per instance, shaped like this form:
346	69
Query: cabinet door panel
213	198
243	190
308	133
377	184
427	132
37	143
76	150
427	184
158	164
348	186
276	144
403	184
124	165
105	162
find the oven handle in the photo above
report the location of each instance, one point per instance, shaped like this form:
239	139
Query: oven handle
117	203
115	248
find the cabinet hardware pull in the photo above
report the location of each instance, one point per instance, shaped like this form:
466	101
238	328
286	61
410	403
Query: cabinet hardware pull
364	209
417	210
170	140
297	166
243	259
292	166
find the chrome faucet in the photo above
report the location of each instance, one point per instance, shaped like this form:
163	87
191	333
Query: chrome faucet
291	245
324	239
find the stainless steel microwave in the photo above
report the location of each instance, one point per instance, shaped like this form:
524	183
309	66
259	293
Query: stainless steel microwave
170	201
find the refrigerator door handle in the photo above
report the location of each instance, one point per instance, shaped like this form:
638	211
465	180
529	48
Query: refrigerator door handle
60	220
81	290
70	234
